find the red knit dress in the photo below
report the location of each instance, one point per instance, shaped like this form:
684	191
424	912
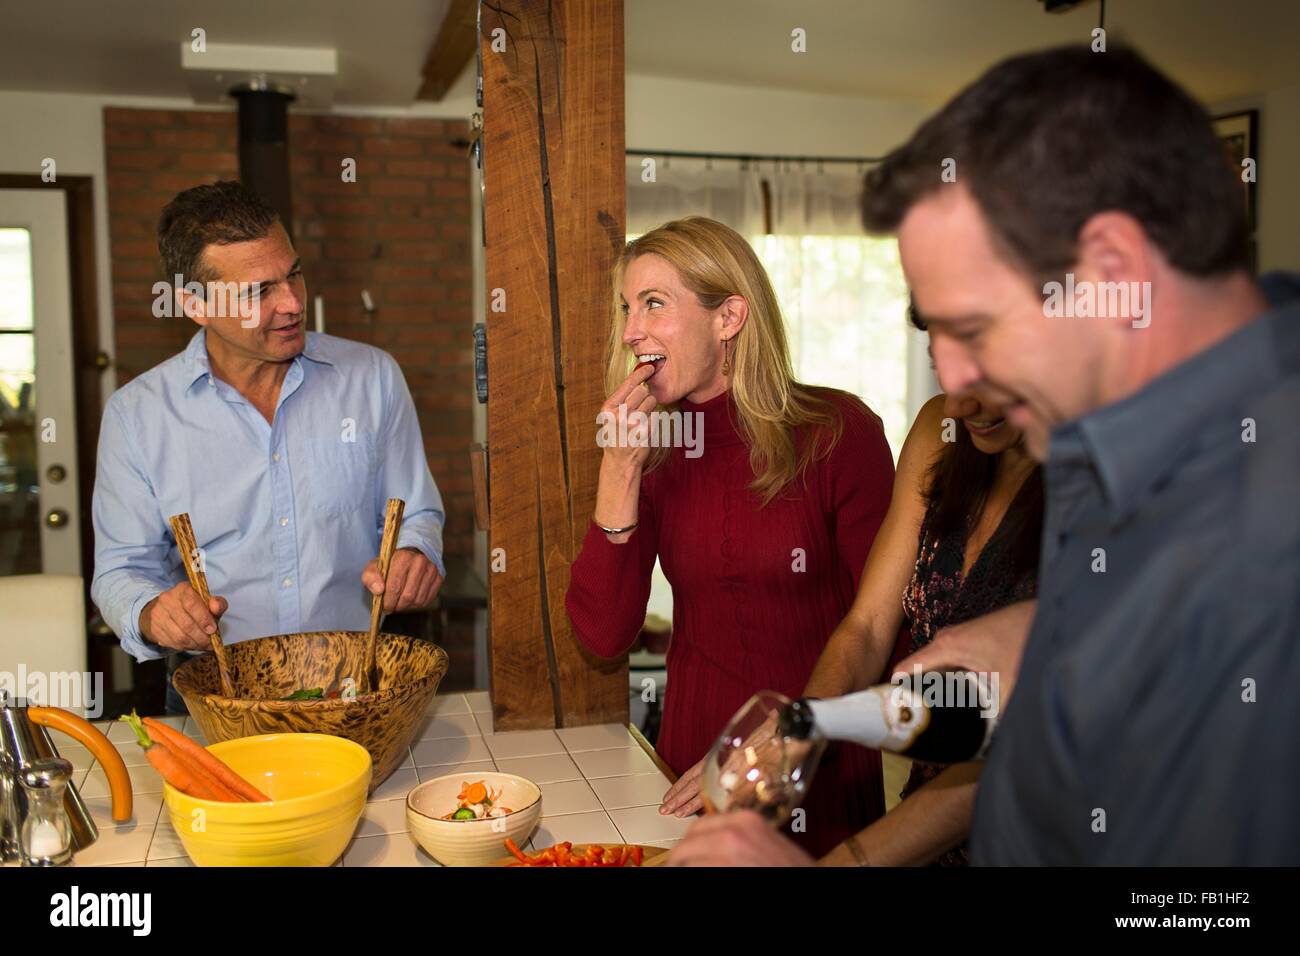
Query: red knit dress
756	591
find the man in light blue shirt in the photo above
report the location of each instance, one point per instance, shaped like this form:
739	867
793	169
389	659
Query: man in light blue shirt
282	446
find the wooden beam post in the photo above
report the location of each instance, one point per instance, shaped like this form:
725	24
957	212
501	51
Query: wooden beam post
553	167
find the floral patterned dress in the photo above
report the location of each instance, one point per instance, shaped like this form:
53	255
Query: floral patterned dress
938	596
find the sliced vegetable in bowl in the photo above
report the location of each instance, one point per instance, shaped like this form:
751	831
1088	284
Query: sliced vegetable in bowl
474	842
476	801
314	693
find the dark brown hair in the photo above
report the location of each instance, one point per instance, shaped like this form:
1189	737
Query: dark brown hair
1045	140
957	488
221	213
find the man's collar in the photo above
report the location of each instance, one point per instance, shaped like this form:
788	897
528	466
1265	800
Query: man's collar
318	350
1136	443
196	358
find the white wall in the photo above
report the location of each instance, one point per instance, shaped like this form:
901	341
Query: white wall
665	113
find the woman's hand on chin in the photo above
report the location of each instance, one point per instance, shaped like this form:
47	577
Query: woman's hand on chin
624	422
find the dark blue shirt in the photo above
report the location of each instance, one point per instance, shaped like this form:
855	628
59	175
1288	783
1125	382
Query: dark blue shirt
1156	716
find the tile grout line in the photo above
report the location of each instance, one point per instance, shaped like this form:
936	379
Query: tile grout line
617	828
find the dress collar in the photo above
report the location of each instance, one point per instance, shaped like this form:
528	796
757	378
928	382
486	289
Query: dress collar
720	417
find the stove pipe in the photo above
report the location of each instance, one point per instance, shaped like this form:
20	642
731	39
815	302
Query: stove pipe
264	146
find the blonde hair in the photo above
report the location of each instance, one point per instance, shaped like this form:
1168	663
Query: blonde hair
715	262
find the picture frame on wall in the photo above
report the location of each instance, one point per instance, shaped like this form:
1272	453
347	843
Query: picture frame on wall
1239	134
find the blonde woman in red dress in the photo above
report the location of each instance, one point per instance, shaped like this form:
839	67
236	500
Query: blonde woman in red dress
762	532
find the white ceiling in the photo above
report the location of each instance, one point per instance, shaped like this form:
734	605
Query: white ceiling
911	49
132	47
929	49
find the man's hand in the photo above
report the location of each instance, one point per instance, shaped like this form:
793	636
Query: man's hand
413	580
992	644
178	619
742	838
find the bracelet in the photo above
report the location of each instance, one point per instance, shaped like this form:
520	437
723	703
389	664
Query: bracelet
614	530
859	854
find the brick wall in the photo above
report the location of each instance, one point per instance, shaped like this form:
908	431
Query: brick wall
401	231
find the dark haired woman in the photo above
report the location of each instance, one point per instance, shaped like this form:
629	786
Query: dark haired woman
960	540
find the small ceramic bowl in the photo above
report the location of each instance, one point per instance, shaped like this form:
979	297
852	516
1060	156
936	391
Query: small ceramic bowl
472	842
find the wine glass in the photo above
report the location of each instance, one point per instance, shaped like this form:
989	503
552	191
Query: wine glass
753	766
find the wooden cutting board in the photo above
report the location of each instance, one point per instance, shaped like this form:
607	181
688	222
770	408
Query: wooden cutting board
652	855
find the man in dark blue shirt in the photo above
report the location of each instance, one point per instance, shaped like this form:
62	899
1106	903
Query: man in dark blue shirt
1155	717
1077	245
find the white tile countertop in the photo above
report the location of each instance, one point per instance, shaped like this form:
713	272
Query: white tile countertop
598	786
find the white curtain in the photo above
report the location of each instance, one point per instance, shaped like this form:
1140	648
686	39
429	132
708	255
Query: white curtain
661	189
842	292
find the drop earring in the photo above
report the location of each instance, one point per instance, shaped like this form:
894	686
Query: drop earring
726	356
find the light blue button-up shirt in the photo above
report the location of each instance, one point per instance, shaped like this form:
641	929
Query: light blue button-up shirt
287	515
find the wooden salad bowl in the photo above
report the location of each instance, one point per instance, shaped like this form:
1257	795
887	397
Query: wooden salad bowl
267	669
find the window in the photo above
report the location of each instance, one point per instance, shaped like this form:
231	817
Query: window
17	341
844	301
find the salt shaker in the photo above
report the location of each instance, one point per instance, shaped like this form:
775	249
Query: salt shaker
46	838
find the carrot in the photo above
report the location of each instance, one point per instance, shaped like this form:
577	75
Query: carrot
517	853
204	760
171	767
222	791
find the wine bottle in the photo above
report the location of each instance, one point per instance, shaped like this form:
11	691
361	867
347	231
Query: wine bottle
935	717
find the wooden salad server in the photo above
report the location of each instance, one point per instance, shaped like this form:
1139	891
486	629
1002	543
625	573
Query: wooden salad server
189	549
387	545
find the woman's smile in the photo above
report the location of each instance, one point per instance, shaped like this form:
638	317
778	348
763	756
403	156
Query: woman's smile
983	427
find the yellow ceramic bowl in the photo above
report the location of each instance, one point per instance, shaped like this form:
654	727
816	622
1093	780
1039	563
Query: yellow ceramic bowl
471	842
317	784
